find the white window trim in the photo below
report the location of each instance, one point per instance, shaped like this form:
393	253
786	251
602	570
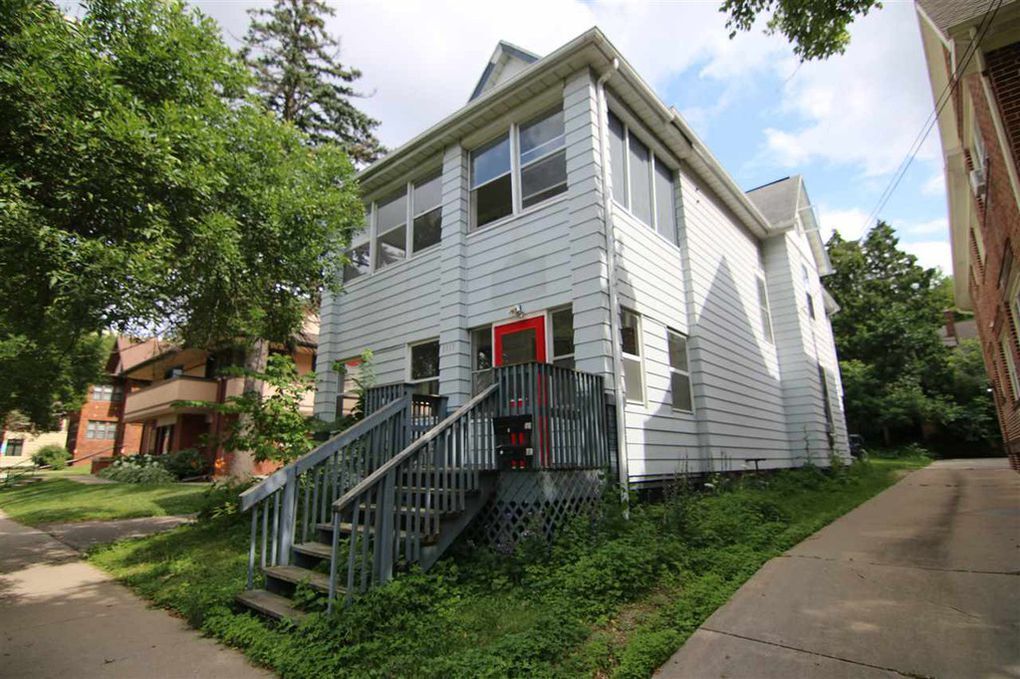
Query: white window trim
407	362
1007	351
516	199
768	328
639	333
687	373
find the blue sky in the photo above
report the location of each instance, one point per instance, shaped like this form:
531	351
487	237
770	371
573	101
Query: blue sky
845	124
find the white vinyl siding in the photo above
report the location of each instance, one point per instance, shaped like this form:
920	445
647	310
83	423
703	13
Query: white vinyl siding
766	314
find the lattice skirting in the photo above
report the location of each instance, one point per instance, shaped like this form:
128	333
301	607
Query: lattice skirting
526	502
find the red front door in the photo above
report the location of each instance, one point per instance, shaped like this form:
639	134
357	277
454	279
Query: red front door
519	342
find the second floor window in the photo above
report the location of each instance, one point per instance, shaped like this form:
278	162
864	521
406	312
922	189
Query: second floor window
107	392
99	429
642	182
519	169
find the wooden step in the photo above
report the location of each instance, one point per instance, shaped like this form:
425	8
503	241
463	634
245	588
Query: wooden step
267	603
346	528
316	549
295	575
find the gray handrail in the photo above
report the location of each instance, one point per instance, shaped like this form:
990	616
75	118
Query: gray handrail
376	476
278	479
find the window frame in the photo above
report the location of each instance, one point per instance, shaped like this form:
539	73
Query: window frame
551	339
370	234
639	335
20	445
657	156
678	371
768	330
410	379
97	430
513	131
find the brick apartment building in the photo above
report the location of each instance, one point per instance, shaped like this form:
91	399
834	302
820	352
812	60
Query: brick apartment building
972	48
98	429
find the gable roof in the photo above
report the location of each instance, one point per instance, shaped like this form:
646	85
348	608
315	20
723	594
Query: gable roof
590	50
782	201
504	58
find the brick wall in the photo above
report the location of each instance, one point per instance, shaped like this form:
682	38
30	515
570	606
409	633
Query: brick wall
128	436
1004	72
999	219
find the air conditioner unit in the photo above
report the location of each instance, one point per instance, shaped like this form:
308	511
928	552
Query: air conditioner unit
978	182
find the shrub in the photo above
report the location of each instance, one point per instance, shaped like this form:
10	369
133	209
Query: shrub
184	464
53	455
145	469
223	499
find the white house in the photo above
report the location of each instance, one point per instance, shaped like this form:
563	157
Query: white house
487	242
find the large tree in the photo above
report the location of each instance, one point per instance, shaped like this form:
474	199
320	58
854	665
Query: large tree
139	188
817	28
897	373
298	75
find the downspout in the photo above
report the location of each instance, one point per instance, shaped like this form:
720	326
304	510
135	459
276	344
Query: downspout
614	302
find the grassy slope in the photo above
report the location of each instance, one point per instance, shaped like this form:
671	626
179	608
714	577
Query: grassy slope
61	500
616	601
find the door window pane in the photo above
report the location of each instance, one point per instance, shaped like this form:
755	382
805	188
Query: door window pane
358	262
665	209
519	347
391	247
617	160
563	332
640	178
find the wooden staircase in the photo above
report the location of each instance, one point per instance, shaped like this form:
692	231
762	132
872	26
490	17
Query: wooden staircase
310	561
397	488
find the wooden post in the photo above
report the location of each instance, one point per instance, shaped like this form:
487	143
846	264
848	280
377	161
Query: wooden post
288	517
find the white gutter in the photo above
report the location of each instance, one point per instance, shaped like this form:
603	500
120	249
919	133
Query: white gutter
614	302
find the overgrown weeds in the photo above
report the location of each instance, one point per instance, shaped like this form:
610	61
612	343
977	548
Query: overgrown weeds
608	597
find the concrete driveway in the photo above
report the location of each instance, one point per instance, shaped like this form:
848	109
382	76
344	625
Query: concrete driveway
921	581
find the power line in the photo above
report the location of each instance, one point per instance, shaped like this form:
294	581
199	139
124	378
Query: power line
933	117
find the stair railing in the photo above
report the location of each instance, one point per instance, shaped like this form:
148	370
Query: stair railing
393	512
298	497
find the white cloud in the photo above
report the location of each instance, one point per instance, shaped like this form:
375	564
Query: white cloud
850	223
420	59
935	185
931	253
862	108
931	227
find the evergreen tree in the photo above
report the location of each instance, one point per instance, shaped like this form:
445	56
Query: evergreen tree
299	77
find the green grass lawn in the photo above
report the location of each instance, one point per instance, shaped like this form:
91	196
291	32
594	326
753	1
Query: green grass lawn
59	500
616	599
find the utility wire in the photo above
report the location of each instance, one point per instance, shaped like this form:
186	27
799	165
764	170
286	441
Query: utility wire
933	117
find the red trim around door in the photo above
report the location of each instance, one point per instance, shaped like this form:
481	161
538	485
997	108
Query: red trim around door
499	331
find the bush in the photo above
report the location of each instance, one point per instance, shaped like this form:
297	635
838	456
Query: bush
53	455
145	469
184	464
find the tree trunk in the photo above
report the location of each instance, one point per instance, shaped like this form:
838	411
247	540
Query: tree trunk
242	465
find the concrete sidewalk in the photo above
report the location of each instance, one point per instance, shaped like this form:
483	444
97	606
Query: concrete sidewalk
921	581
61	617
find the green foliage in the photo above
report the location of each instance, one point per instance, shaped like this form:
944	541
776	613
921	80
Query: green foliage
144	469
297	73
138	188
60	500
818	29
222	499
609	598
54	456
184	464
897	374
270	426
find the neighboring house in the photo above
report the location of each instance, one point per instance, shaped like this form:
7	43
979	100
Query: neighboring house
98	429
486	245
973	55
188	374
17	447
